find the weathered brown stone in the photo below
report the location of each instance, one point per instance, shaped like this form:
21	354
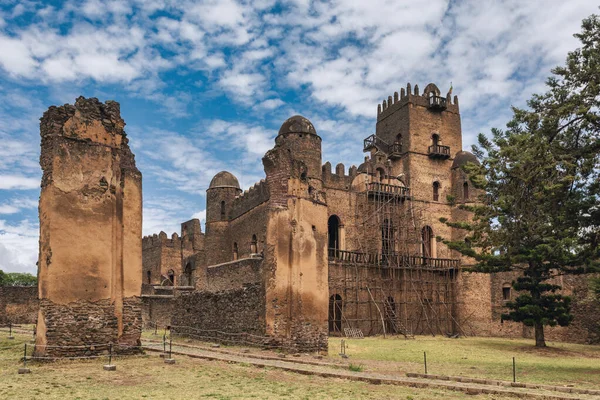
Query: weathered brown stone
89	266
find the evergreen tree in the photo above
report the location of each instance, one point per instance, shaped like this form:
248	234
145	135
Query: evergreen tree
540	184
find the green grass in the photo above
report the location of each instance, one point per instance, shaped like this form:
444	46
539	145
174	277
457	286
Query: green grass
560	363
147	377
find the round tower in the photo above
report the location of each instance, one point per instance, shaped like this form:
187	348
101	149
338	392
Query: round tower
223	188
299	138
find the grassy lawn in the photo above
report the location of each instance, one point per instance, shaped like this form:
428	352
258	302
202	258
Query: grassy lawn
147	377
560	363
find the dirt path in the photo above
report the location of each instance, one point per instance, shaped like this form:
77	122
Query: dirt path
329	370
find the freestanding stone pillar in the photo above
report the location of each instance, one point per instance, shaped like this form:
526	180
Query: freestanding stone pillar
90	256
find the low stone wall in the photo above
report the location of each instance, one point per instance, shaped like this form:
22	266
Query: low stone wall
18	304
157	311
86	328
482	303
226	316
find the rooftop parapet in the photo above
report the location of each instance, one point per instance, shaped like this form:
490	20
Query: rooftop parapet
430	98
248	199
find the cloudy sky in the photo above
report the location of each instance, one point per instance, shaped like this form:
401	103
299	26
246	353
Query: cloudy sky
205	85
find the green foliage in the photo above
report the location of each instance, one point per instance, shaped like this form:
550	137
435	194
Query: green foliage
19	279
2	278
540	183
355	367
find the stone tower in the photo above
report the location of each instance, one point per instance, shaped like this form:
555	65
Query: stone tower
90	257
297	284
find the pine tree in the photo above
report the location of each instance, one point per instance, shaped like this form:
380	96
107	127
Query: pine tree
540	182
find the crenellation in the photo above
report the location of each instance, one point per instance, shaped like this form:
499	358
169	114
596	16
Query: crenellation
395	97
416	90
249	199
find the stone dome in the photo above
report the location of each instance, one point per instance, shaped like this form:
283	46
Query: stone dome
463	157
297	124
224	179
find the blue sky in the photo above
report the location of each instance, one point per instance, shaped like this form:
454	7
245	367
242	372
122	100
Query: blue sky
205	85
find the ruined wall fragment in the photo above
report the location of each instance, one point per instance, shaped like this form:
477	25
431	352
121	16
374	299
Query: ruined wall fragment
90	257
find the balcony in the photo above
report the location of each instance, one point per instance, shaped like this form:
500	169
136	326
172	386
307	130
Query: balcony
395	151
392	260
376	142
437	103
377	189
438	151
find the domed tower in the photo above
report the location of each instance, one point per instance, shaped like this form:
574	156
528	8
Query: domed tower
296	249
223	188
298	141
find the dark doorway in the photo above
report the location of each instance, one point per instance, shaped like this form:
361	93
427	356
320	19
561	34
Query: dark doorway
171	276
333	229
427	236
335	313
188	275
149	277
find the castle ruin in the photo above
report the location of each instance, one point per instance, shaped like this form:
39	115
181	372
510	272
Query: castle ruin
90	259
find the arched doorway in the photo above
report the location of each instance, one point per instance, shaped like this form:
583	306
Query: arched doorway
466	190
149	277
333	230
254	245
427	248
435	140
188	275
171	276
335	313
235	251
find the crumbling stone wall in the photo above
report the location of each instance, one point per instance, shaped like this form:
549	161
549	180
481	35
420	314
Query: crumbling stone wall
222	316
18	304
90	260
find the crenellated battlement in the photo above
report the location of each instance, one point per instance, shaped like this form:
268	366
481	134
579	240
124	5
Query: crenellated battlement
339	179
160	240
410	95
250	198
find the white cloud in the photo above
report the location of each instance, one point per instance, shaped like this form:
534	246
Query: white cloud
18	182
18	246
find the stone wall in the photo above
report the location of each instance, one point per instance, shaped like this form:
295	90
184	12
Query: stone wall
223	315
18	304
90	258
482	303
157	311
88	327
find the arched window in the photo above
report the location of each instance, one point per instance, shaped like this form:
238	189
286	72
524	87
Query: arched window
335	313
435	140
333	230
235	251
222	209
171	275
427	237
149	277
436	191
380	175
254	245
466	190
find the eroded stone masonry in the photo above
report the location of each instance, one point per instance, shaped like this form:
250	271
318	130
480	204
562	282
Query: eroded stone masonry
309	252
90	259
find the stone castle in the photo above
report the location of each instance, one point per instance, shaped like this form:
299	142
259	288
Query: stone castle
308	252
303	254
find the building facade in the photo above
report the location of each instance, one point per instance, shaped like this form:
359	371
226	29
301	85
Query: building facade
309	252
